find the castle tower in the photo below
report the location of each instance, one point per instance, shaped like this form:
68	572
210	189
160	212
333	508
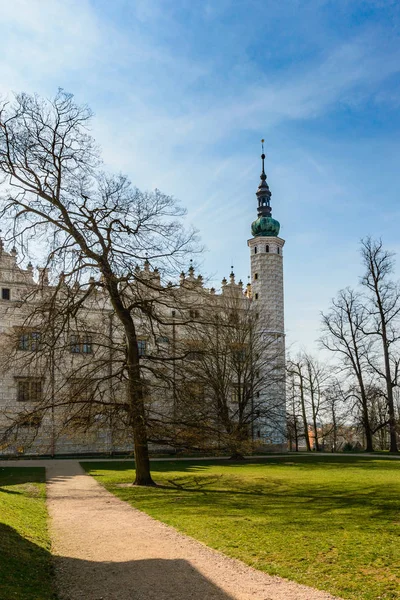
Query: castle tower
266	261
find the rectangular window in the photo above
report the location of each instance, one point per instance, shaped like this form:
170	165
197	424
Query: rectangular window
87	345
74	344
34	420
142	347
29	340
162	339
29	389
81	344
5	293
236	394
240	393
82	390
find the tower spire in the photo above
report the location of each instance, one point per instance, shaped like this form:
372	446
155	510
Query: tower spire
264	224
263	192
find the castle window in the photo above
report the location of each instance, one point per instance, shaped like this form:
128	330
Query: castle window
239	355
74	344
162	339
29	389
255	275
29	340
87	345
81	390
279	250
5	293
267	248
255	250
80	344
258	433
256	296
142	347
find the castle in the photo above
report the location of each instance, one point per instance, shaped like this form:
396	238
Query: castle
89	354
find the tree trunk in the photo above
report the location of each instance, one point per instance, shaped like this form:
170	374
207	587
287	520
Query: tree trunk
334	425
303	410
390	400
135	386
138	418
317	446
369	442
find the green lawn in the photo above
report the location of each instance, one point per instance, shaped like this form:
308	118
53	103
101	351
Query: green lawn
25	560
330	522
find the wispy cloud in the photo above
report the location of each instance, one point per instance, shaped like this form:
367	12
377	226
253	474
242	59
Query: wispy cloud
183	93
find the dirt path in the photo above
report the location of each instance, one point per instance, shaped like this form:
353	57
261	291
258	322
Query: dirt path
106	550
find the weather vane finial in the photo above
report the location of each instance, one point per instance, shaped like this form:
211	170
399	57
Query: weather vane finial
263	176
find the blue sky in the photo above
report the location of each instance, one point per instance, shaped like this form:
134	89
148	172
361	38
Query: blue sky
183	91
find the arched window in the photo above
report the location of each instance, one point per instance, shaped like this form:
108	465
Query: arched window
267	248
255	250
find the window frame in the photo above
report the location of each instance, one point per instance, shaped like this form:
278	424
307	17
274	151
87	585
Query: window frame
81	343
28	340
33	389
142	347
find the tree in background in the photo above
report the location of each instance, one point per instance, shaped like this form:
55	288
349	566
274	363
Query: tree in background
228	388
382	307
343	334
297	374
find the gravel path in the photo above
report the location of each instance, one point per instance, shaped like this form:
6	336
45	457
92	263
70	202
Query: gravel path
106	550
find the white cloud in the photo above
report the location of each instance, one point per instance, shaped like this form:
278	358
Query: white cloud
168	120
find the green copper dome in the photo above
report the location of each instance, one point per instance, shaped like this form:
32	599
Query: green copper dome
266	226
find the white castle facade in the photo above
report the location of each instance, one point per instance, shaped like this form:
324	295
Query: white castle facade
92	347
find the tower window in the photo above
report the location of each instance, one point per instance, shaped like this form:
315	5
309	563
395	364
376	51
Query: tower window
255	250
256	296
5	293
142	347
267	248
255	275
279	250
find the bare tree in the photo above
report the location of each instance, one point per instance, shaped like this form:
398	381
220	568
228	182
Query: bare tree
343	334
316	381
335	412
293	416
88	224
229	388
383	309
297	370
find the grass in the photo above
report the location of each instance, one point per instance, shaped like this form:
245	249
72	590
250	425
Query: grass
329	522
25	560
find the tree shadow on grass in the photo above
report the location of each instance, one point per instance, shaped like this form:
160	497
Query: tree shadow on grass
313	501
27	573
21	475
26	569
